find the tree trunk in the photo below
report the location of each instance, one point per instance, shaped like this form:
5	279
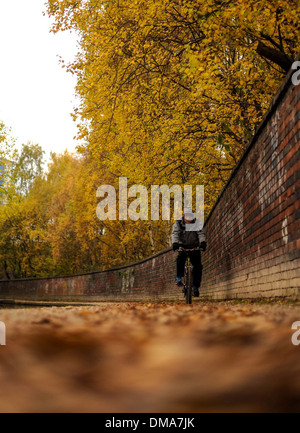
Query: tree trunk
169	233
150	232
275	56
6	270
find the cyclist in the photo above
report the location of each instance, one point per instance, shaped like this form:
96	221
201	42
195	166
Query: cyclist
188	234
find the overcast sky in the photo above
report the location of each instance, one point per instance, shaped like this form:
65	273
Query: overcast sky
36	94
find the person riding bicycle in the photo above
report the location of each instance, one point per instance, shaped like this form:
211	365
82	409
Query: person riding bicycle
188	234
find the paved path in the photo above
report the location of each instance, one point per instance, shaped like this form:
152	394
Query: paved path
133	357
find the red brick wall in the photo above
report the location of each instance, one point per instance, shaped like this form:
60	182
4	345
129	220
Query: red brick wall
151	279
252	231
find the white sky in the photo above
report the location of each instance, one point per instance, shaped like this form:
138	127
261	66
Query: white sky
36	94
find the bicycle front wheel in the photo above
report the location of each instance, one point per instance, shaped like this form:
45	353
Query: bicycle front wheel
188	291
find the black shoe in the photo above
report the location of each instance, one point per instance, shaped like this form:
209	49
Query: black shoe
196	292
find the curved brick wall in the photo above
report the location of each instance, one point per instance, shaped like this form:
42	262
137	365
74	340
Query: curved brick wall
152	278
253	230
254	227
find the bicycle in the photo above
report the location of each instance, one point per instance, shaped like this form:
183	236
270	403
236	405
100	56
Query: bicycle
188	276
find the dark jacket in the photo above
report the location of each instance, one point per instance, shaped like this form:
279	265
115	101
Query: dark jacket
188	235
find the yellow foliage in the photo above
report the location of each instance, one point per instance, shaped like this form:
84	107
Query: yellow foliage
171	90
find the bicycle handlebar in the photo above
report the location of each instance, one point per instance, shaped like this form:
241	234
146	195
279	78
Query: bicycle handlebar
188	249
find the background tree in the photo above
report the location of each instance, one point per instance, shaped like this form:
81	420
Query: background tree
22	224
8	153
28	166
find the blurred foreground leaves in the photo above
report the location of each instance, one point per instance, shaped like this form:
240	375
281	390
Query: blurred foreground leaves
152	357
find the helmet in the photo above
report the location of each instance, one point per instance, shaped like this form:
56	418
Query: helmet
189	216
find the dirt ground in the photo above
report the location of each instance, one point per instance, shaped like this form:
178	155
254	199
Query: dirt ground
155	357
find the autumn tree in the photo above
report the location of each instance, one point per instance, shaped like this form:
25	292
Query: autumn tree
24	250
176	86
28	165
8	154
172	91
80	241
